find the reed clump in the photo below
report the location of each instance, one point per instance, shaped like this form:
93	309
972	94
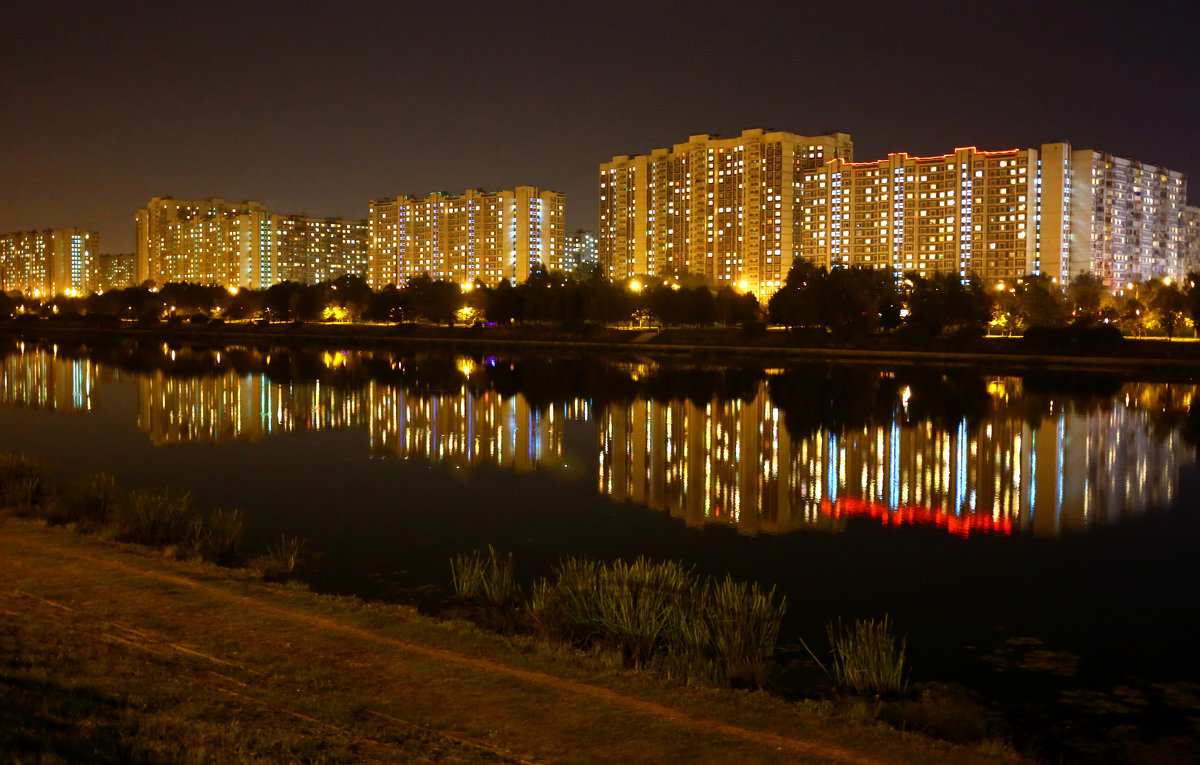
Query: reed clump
660	615
279	562
97	504
485	578
89	502
865	657
23	482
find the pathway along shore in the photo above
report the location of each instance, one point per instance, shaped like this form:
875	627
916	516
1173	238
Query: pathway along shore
113	654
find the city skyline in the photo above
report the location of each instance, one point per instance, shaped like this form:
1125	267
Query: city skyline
319	113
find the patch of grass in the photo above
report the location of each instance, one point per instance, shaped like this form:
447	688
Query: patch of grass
155	518
281	558
865	657
89	502
23	481
741	630
165	519
485	578
217	535
485	581
661	615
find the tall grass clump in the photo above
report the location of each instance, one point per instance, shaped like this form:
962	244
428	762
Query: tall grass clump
217	535
660	615
168	519
89	502
865	657
23	481
739	630
637	609
155	518
281	558
485	578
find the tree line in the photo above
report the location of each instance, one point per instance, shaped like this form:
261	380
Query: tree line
842	302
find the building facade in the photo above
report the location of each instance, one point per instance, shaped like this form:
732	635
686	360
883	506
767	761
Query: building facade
212	241
476	236
111	271
724	209
205	242
47	263
739	211
315	250
1131	214
579	249
971	212
1191	240
998	215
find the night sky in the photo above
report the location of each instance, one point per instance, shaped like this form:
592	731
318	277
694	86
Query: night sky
319	107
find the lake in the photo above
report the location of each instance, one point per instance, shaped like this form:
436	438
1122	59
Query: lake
1039	528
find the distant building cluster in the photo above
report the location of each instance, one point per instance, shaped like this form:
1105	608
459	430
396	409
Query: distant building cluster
47	263
486	236
243	245
735	212
739	211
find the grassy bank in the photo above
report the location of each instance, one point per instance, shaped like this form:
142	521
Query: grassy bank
126	644
113	653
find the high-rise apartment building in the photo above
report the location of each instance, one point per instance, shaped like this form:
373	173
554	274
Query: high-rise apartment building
205	242
579	249
315	250
739	211
479	235
49	262
112	271
243	245
997	214
1190	255
1131	214
972	212
724	209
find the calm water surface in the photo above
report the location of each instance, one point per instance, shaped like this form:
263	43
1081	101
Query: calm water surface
985	514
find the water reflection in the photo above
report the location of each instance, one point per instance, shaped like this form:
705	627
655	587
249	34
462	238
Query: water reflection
41	380
466	428
757	450
1016	465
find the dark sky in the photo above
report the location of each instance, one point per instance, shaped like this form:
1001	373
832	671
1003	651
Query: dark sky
319	107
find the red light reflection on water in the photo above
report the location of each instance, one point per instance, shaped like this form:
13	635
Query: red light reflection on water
959	525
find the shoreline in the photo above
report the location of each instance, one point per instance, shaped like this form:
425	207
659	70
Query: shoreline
192	655
772	347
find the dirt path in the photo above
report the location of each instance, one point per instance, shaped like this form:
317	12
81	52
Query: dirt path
250	642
